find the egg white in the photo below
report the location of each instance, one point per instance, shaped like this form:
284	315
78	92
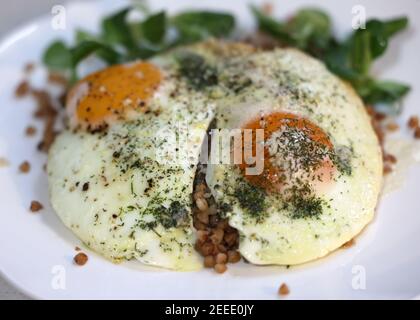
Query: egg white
133	174
110	216
286	80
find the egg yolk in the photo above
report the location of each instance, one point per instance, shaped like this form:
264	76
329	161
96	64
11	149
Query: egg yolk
294	149
112	93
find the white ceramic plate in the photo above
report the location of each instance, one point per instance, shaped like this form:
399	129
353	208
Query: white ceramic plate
36	249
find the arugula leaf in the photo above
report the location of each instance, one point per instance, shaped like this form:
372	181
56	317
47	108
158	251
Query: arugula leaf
271	26
82	35
351	59
103	53
380	33
396	25
86	48
337	59
146	51
121	40
198	25
384	91
310	27
360	52
153	29
116	30
58	56
355	55
378	37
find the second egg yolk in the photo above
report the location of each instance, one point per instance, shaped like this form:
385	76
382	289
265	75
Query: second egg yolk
273	178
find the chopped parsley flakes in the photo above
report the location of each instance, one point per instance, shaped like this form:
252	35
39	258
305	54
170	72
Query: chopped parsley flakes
198	73
252	200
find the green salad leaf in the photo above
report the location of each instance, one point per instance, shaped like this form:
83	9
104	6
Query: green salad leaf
396	25
351	59
309	29
121	40
360	53
379	91
116	30
88	47
194	26
271	26
58	56
153	29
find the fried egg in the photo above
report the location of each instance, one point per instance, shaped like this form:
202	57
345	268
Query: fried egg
303	180
320	161
114	177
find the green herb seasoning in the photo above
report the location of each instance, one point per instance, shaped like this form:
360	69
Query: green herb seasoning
310	30
196	70
342	159
169	217
252	199
302	202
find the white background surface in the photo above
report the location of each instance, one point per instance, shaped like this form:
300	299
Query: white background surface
388	249
12	15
